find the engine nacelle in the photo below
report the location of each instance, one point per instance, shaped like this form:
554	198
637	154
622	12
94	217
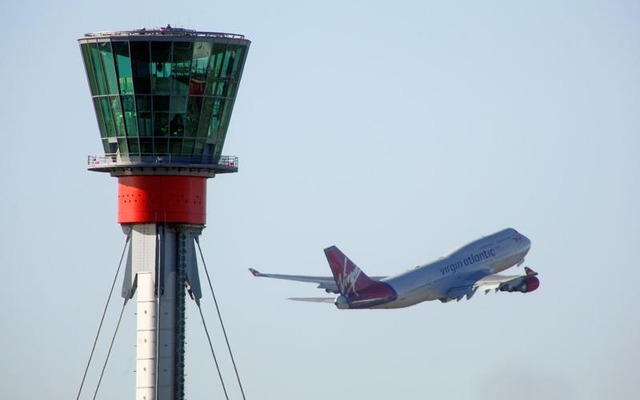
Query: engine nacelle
530	284
524	285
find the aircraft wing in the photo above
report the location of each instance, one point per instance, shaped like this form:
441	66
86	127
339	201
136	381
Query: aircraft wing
509	283
324	282
468	285
327	283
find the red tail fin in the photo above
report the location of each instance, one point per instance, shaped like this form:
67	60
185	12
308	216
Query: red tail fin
349	278
357	290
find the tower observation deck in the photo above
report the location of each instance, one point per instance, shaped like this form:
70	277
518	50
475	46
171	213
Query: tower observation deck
163	99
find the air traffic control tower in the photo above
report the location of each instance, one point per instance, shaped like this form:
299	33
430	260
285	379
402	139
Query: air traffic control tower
163	100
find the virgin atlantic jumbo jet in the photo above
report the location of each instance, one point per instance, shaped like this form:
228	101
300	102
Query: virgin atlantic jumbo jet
451	277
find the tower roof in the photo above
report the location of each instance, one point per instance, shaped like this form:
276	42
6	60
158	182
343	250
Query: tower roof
165	31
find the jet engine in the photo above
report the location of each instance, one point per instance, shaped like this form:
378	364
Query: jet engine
524	285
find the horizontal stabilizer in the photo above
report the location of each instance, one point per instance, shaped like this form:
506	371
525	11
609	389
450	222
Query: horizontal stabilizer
329	300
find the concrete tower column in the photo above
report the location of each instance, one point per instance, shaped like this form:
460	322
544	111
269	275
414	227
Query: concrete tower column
161	268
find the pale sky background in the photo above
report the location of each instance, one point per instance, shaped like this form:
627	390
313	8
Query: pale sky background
395	130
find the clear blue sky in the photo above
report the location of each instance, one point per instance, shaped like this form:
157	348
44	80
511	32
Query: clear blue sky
395	130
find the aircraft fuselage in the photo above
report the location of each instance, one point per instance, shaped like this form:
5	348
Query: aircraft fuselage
432	281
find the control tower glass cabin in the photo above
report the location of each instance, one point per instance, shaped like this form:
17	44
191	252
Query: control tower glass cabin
163	97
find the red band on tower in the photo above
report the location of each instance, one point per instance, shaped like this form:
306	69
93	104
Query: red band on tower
162	199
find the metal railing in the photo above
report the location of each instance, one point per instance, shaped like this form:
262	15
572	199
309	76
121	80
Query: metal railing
164	31
115	160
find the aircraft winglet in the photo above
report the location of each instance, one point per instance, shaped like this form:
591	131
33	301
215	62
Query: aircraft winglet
530	272
254	272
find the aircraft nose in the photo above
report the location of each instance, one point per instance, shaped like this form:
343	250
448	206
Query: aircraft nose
526	242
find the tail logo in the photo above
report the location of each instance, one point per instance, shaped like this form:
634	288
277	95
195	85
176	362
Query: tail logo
347	280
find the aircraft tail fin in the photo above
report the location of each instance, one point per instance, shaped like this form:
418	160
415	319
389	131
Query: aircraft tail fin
357	290
349	278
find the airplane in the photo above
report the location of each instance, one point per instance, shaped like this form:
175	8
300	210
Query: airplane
472	267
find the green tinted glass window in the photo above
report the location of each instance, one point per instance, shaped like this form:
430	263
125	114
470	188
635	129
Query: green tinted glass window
228	62
178	108
109	68
176	126
193	115
105	108
201	54
96	62
161	103
161	145
140	66
235	65
134	147
238	62
161	67
199	146
219	134
129	109
182	54
146	146
160	123
187	147
178	104
91	72
118	116
143	109
99	115
208	105
215	68
123	67
218	115
175	145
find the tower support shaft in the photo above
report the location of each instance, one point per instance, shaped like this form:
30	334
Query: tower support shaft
160	266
